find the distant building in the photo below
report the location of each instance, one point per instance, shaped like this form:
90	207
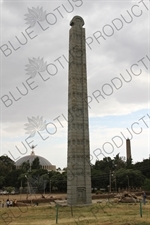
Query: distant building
43	162
128	149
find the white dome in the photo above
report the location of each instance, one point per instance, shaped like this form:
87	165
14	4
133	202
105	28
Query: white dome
43	162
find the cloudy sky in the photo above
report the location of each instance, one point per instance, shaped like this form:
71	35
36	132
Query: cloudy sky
35	34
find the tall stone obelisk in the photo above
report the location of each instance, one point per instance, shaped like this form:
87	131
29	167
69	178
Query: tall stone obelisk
128	150
78	169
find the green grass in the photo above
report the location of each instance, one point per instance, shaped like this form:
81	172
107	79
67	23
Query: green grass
97	214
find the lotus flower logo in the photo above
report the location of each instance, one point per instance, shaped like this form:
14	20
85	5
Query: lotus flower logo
35	66
34	125
35	15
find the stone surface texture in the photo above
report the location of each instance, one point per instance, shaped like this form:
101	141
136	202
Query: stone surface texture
78	169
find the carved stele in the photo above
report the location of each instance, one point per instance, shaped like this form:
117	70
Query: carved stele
77	21
78	169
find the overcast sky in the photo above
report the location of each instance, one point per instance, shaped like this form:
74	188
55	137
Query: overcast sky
35	34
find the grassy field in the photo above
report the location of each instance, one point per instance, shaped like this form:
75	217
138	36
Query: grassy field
106	213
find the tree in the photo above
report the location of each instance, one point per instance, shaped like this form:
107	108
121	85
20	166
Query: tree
144	167
101	171
99	179
12	178
146	185
119	162
38	182
59	181
104	165
6	166
10	189
25	166
129	178
36	164
2	180
129	164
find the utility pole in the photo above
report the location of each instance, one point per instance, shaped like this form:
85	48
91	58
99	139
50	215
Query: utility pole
115	184
50	186
49	183
44	187
28	186
110	181
128	182
21	190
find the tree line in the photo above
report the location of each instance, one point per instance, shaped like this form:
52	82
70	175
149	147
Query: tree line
106	175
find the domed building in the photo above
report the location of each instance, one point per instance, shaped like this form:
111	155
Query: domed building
45	164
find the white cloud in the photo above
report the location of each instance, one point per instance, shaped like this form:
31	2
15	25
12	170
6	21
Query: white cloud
104	62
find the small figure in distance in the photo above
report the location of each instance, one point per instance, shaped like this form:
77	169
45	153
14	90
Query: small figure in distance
3	203
7	203
144	197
